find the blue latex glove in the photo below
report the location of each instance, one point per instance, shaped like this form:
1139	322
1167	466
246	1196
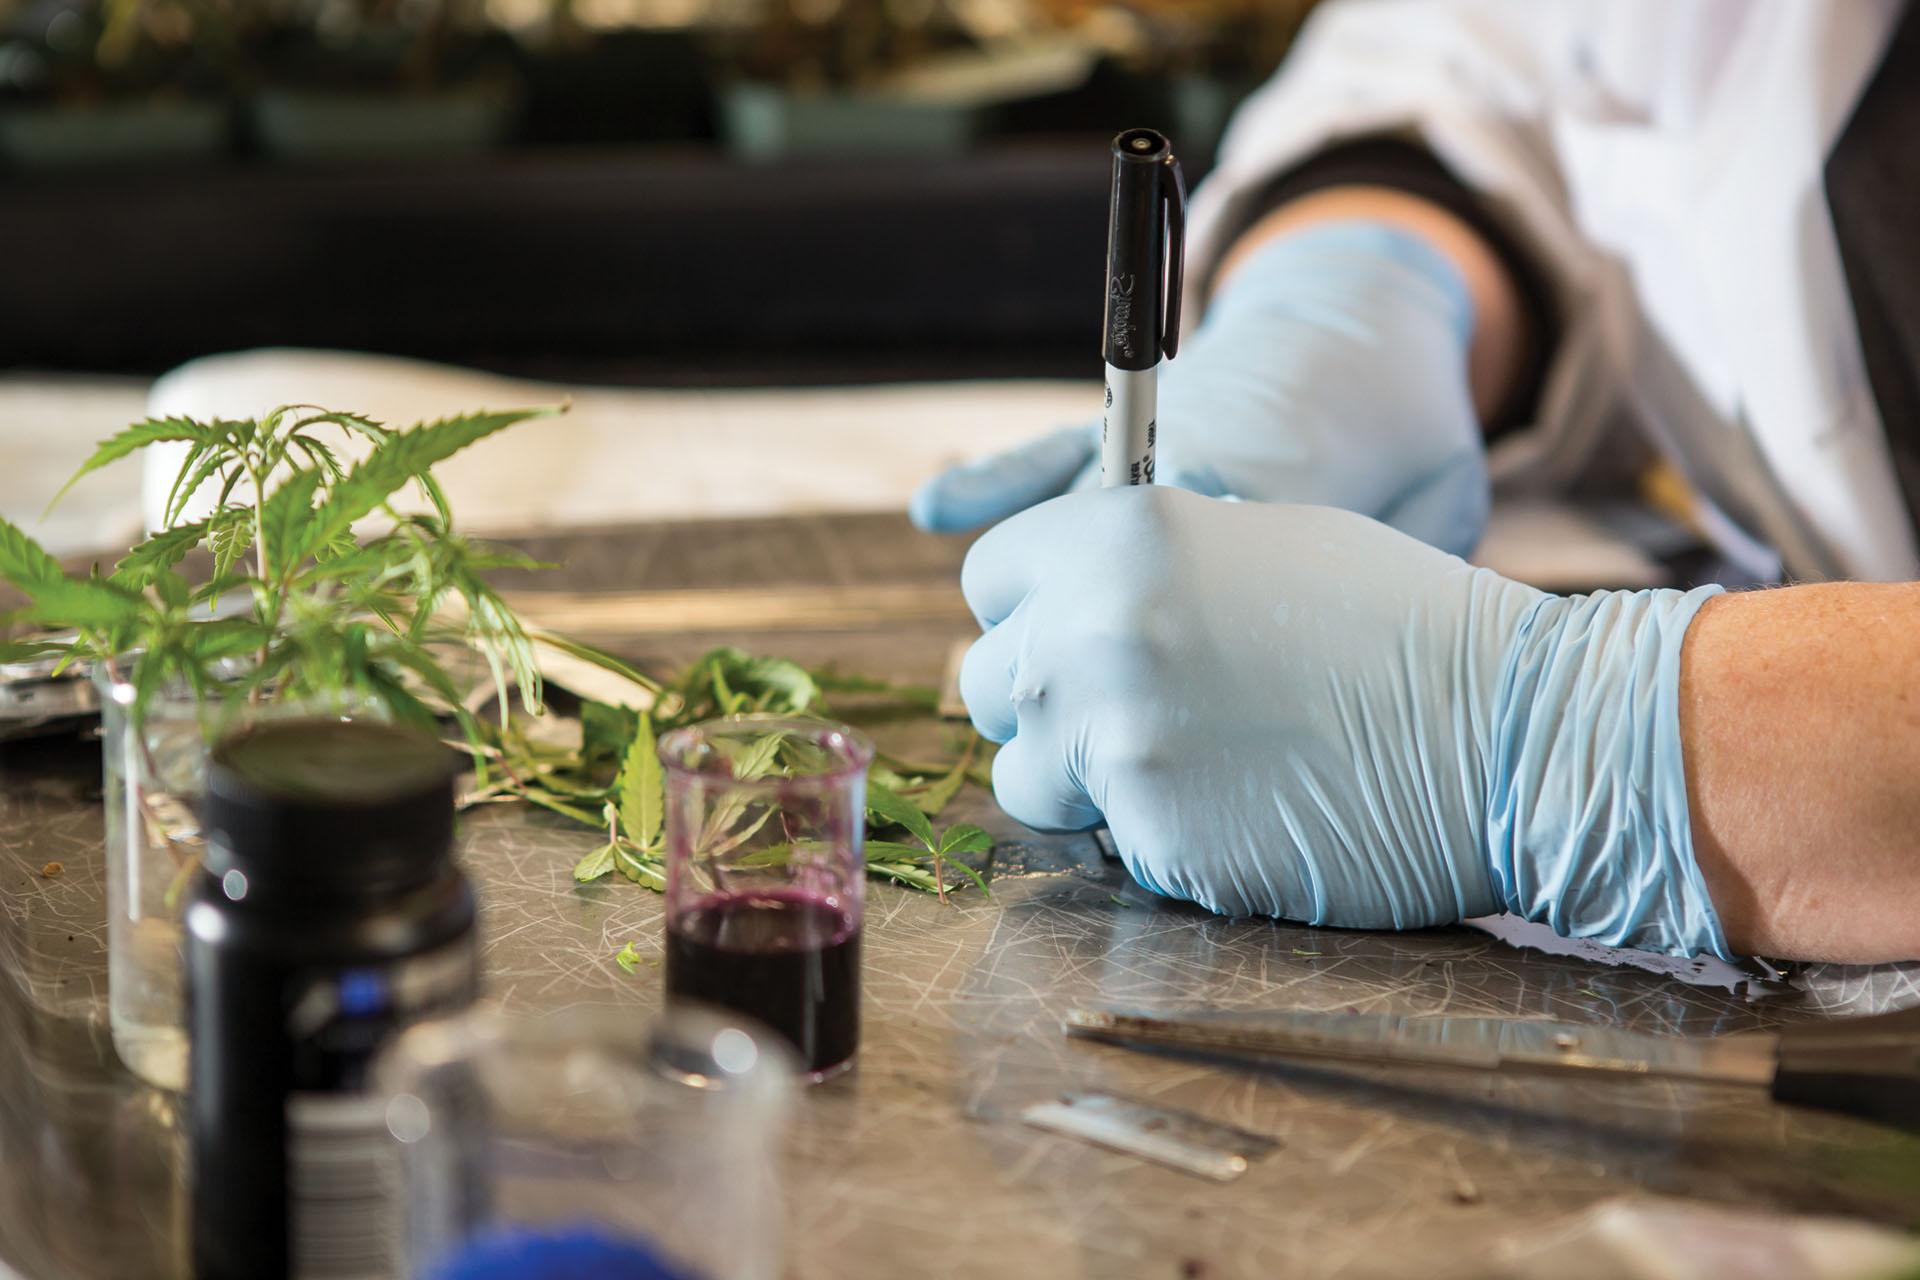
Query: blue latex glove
1331	368
1299	712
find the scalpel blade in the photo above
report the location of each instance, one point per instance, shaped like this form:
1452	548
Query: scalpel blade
1464	1043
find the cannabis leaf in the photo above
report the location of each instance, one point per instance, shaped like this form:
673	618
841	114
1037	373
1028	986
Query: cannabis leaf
137	436
965	838
894	809
154	557
23	562
597	863
62	601
757	759
229	534
642	788
285	523
27	650
402	457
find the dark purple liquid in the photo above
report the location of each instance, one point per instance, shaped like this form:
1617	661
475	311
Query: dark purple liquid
786	958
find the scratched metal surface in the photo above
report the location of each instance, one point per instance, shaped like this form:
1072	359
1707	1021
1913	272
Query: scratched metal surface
915	1164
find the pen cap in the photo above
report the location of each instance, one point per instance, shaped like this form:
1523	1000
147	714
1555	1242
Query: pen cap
1146	234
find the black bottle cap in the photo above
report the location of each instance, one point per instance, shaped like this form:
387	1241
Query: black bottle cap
329	806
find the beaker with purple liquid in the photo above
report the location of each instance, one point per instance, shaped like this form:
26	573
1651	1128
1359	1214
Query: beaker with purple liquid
766	878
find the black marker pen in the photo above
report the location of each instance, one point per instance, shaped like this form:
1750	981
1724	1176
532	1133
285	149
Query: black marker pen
1146	246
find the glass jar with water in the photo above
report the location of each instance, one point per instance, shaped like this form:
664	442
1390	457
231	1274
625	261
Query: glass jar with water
153	777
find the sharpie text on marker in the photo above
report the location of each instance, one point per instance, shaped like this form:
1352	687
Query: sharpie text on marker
1146	248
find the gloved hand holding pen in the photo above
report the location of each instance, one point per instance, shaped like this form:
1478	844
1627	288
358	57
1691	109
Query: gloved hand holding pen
1331	369
1296	711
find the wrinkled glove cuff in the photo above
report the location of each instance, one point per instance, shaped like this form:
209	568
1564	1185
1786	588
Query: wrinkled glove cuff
1587	819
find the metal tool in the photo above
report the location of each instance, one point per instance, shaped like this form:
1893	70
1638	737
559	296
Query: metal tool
1861	1066
1177	1139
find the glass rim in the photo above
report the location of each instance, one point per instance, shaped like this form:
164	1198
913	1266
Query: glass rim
485	1031
852	750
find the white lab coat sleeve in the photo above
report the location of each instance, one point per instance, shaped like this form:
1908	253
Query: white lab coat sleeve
1476	82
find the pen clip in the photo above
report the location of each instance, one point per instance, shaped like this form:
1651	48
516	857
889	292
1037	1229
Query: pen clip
1173	184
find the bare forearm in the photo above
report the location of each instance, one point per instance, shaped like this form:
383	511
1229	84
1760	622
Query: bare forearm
1800	721
1494	358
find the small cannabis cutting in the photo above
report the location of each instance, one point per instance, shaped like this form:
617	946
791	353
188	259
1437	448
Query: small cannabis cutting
290	604
615	779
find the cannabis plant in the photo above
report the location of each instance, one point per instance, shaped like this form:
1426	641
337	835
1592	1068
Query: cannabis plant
291	605
288	603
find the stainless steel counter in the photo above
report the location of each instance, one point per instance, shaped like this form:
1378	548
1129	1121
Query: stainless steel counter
916	1163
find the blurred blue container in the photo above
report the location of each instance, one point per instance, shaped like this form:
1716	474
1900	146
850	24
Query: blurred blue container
650	1147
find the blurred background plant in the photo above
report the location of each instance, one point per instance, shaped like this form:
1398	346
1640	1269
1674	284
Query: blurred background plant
555	187
82	52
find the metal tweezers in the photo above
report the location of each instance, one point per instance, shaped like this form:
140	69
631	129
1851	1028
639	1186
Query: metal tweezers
1866	1066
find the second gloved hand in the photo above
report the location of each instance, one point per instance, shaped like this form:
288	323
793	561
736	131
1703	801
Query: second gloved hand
1296	711
1331	369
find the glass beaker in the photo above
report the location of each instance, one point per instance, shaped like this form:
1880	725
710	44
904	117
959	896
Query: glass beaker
766	878
153	774
587	1137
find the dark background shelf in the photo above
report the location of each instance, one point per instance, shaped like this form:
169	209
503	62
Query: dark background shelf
646	266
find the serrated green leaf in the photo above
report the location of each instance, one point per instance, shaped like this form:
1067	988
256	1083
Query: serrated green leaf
894	809
894	851
189	483
500	628
639	866
596	864
729	702
137	436
229	534
641	787
24	562
778	685
903	871
287	522
224	638
320	454
152	558
587	653
401	457
28	650
174	591
86	604
360	423
198	457
965	838
228	484
756	759
422	664
398	700
979	881
438	497
345	544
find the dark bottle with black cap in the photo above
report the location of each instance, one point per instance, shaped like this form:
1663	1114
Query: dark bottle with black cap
328	917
